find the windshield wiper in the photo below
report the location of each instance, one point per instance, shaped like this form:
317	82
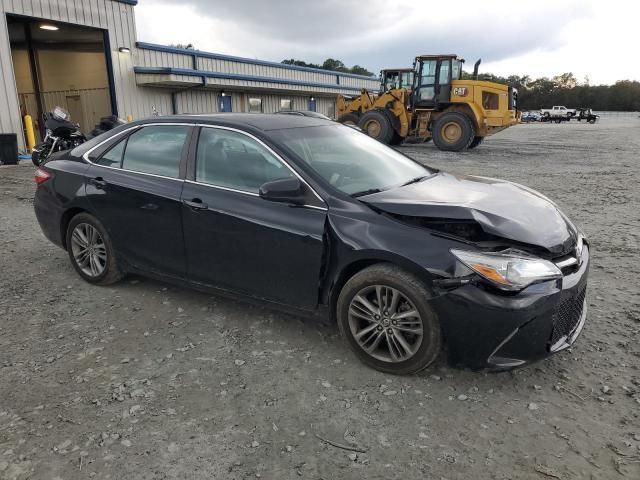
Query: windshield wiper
366	192
415	180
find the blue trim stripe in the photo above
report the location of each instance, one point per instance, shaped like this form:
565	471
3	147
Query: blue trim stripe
128	2
235	76
218	56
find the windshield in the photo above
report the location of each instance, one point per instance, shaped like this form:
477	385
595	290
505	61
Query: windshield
351	161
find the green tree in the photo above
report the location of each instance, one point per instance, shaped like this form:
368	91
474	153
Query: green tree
332	65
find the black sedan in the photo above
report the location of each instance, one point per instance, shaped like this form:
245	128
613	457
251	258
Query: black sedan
313	216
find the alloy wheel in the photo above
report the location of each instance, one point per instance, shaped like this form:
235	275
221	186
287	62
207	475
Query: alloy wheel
385	324
89	250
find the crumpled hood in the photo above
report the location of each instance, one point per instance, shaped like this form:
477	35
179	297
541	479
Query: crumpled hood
501	208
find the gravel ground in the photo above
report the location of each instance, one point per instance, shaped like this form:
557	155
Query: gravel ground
148	381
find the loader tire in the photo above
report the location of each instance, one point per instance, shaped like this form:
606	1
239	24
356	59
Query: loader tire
377	125
453	132
396	139
475	142
349	119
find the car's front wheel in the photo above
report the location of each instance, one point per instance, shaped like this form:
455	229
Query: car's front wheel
91	251
384	315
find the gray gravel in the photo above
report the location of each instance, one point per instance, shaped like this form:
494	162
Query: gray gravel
148	381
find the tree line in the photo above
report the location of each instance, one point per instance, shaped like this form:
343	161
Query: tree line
565	89
331	64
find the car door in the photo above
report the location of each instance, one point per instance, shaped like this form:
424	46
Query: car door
135	190
239	241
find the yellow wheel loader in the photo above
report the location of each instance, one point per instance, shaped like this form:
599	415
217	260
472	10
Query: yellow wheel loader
457	114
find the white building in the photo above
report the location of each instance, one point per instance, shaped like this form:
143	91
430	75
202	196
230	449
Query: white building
84	56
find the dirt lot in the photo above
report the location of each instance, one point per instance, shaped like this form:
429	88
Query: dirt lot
147	381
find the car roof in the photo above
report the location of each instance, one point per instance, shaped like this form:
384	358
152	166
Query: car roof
260	121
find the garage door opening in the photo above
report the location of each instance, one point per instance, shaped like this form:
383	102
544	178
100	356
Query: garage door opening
59	64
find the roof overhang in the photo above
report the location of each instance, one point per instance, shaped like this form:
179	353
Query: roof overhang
169	77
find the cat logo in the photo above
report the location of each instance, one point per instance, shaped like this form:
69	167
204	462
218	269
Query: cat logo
460	91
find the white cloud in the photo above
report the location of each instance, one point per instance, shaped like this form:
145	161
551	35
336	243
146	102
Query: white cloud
543	38
602	47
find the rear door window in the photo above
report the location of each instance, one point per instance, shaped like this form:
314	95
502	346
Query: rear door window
156	149
113	157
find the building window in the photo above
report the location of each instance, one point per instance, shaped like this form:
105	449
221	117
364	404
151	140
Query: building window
255	105
285	105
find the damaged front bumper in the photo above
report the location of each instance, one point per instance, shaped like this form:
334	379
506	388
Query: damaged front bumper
488	329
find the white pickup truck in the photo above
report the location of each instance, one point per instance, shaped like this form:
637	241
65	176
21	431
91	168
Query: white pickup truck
558	111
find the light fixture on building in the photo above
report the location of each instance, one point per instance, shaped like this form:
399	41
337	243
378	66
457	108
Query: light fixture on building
222	94
48	26
124	50
312	98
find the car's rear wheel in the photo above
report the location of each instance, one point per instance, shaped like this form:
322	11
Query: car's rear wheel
385	318
91	251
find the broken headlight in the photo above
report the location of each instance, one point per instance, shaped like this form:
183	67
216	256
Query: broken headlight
508	270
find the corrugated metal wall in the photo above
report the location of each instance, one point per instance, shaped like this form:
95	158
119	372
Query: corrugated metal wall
148	57
206	101
94	102
118	19
109	15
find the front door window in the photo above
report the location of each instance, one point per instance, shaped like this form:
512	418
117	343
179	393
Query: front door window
427	88
233	160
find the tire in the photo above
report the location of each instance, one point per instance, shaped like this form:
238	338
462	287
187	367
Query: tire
453	132
424	347
349	119
35	157
95	132
108	123
39	154
376	124
110	272
476	142
396	139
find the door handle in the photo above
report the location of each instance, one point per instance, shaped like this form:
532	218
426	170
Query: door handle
149	206
195	204
98	182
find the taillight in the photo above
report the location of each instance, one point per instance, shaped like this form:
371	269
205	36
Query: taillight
42	176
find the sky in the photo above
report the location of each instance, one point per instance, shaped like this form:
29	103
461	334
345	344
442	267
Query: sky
594	39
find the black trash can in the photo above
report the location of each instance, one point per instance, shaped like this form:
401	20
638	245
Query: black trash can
8	149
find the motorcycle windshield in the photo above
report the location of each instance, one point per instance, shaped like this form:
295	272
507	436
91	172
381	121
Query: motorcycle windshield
61	114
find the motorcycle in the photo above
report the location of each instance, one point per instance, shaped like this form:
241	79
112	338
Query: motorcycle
60	135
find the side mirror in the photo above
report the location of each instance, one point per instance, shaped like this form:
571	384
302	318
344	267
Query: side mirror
286	190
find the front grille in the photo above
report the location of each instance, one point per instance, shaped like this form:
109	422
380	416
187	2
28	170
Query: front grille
567	315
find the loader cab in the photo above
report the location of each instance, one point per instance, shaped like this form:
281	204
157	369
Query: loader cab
396	78
432	84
